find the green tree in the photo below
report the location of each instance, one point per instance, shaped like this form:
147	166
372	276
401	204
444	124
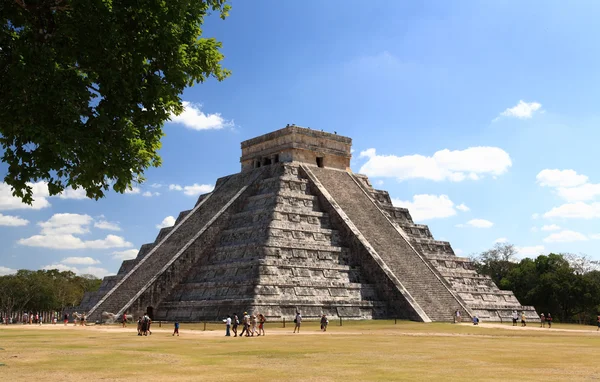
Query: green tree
86	86
496	262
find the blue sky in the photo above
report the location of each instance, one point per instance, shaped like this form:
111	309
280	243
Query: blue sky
481	117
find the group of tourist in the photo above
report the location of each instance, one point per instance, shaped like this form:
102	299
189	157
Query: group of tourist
544	319
143	324
251	325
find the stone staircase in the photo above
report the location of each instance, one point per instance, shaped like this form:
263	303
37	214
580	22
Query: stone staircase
416	275
154	266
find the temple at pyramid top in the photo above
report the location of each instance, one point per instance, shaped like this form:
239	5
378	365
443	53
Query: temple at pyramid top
297	144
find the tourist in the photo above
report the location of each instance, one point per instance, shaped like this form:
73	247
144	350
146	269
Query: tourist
515	317
475	320
66	319
261	324
324	323
297	321
523	319
176	329
83	319
228	326
542	321
145	321
253	325
598	322
124	320
139	326
457	318
549	320
236	322
246	323
149	324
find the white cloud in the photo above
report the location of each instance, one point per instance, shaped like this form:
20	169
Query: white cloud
523	110
95	271
4	271
149	194
584	192
68	241
197	189
128	254
533	250
565	236
425	207
169	221
443	165
560	178
9	202
368	153
463	207
66	223
80	261
193	118
193	190
103	224
133	190
501	240
595	236
156	185
550	227
480	223
579	210
70	193
12	221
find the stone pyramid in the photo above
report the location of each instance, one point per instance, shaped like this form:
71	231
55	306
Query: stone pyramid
297	230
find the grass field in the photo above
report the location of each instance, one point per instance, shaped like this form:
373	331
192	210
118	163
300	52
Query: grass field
367	350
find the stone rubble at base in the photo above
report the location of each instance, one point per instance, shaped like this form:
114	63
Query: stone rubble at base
297	230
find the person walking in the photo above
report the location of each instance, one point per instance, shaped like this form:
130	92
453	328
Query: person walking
66	319
261	324
124	320
549	320
253	325
228	326
515	317
176	328
297	321
245	323
523	319
324	323
457	318
235	323
542	321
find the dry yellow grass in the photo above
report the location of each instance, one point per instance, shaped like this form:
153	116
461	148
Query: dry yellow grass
368	350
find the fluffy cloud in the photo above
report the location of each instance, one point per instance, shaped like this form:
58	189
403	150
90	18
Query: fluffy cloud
550	227
560	178
156	185
12	221
169	221
565	236
7	271
70	193
477	223
193	190
67	241
523	110
66	224
9	202
463	207
193	118
579	210
425	207
133	190
533	250
585	192
128	254
94	271
79	261
501	240
103	224
149	194
456	165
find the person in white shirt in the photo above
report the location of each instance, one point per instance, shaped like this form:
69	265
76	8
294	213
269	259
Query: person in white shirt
228	326
297	321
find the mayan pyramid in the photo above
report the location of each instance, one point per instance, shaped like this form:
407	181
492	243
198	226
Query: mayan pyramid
296	229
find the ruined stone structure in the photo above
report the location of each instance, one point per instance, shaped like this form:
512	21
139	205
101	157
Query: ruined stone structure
296	229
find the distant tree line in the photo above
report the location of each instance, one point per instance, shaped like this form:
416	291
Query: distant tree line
43	290
563	284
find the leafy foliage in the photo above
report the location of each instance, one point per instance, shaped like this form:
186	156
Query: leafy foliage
86	86
43	290
566	285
